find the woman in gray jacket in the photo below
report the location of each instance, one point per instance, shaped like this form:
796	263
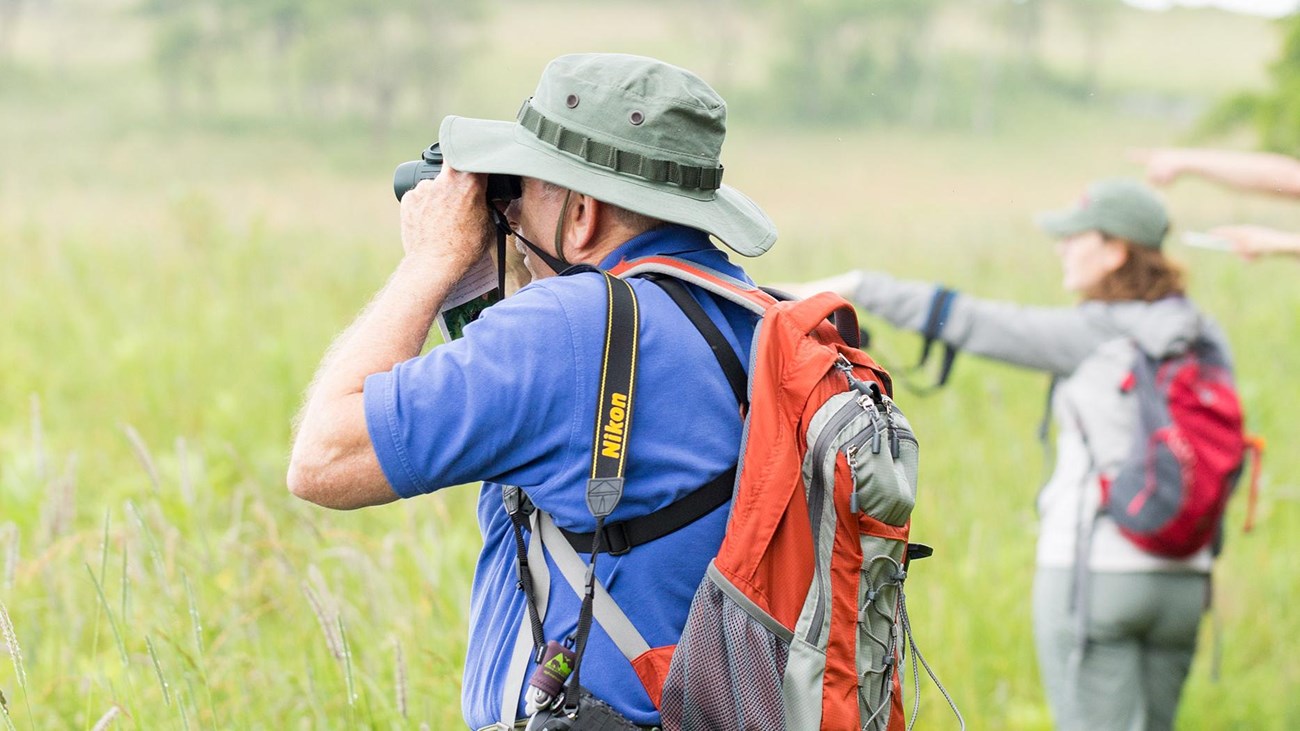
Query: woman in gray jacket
1126	668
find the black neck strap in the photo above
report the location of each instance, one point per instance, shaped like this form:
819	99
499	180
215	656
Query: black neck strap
617	390
557	265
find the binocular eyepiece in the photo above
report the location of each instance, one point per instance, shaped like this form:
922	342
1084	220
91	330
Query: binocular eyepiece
408	174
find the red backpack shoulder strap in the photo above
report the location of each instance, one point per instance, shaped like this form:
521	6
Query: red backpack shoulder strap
742	293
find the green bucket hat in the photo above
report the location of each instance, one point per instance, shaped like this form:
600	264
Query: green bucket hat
632	131
1120	208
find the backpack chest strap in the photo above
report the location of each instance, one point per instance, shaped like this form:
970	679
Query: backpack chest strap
619	538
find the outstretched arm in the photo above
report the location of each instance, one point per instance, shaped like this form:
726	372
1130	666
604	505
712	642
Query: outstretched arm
444	231
1053	339
1264	172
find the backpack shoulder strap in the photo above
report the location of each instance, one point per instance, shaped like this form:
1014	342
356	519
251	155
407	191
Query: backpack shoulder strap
742	293
940	307
730	363
621	537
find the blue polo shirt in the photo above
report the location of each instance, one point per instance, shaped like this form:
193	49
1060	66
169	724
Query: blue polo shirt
513	402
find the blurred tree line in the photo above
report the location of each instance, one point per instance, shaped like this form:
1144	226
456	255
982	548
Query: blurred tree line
818	61
324	58
877	60
826	61
11	11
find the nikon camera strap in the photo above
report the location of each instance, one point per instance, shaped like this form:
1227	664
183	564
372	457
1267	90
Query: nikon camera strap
609	445
604	490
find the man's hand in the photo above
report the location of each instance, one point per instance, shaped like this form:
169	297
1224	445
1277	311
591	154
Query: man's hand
446	220
1258	171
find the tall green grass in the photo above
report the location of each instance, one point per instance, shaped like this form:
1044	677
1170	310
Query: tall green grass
168	287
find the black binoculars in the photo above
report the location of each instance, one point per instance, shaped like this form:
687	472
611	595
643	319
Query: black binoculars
499	187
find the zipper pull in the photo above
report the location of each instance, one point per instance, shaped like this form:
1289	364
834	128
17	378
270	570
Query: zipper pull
887	406
864	401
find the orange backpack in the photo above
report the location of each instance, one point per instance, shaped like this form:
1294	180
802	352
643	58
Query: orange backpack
800	621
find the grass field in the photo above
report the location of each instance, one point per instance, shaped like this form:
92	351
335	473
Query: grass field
168	285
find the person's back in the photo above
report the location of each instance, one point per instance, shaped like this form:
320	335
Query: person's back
618	158
1096	423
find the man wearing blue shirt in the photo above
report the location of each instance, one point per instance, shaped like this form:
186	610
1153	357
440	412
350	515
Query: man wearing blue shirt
619	159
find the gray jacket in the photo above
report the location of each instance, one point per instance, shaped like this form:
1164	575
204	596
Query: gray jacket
1090	348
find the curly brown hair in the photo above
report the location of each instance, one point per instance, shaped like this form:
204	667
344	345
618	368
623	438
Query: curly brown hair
1146	274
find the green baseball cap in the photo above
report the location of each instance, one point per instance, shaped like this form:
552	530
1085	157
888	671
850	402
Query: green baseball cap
1119	207
628	130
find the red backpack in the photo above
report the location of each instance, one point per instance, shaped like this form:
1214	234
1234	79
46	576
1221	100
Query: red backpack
1169	495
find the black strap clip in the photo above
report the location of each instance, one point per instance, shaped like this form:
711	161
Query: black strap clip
518	506
616	539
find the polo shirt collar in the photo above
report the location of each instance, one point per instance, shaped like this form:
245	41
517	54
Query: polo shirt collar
671	240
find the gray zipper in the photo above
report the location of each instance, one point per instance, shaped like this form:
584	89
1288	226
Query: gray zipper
901	434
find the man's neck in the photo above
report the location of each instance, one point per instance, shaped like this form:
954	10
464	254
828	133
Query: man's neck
609	241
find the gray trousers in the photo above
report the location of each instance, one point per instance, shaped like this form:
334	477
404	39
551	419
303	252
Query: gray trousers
1141	638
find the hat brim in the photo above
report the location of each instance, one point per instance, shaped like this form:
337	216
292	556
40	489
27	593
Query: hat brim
492	146
1062	224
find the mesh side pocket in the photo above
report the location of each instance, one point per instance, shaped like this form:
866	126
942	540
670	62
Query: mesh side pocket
726	672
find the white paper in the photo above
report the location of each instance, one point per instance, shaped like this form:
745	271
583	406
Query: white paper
475	292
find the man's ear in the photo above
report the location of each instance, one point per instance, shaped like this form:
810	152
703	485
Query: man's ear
582	229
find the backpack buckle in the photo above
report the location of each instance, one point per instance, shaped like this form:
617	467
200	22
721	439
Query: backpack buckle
617	542
516	502
510	498
917	551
